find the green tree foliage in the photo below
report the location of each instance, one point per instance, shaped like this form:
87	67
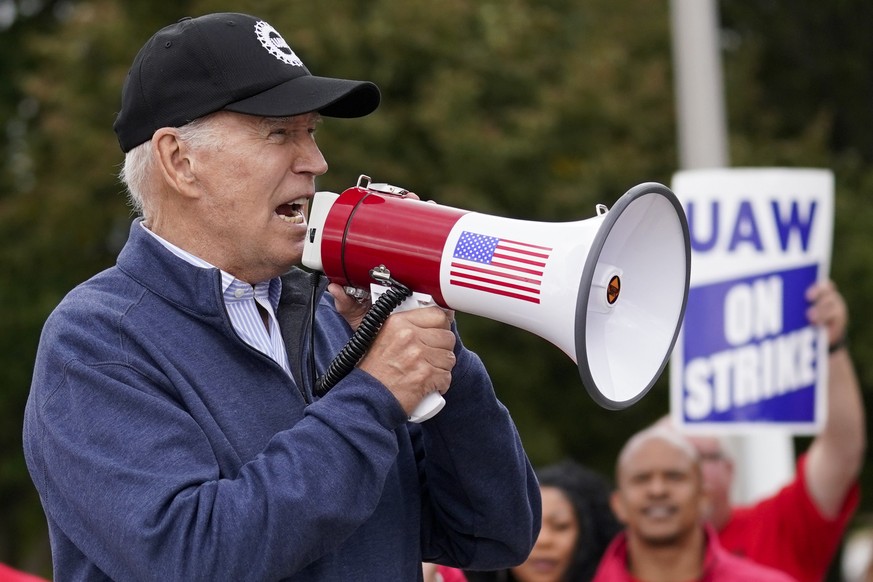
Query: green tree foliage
807	61
527	109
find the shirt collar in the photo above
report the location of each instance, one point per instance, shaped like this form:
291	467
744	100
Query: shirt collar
232	288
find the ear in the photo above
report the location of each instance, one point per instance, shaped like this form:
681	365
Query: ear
617	505
174	160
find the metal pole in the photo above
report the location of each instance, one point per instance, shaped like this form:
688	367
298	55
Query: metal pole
763	462
698	83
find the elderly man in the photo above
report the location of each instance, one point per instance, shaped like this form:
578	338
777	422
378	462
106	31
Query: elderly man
172	430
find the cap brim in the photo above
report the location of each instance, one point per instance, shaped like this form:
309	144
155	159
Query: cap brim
305	94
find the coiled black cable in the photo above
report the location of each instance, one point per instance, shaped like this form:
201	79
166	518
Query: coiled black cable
314	282
363	337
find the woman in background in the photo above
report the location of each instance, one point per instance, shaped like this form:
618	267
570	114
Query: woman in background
577	526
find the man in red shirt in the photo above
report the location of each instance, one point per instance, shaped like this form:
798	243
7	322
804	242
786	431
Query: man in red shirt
798	530
10	574
435	573
661	499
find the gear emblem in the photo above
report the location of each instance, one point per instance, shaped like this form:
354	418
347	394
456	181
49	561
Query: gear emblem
275	44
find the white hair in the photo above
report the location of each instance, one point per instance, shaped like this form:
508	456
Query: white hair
139	162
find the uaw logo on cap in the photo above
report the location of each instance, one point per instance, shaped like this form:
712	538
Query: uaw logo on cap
275	44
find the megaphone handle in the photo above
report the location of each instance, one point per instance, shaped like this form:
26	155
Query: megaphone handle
428	407
433	402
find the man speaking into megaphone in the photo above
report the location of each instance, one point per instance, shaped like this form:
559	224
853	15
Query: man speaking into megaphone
173	430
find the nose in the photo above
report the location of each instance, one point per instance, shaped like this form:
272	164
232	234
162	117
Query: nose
657	486
310	161
545	538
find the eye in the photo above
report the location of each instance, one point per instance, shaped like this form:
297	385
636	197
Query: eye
676	476
279	135
640	479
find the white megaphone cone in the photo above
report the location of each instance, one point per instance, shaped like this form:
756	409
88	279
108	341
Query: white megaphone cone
609	291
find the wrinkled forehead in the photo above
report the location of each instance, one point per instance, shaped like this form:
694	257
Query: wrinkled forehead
709	448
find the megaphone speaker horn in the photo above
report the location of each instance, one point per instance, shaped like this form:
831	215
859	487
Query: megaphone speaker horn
632	295
610	291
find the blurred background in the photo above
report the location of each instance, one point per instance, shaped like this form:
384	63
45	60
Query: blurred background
530	109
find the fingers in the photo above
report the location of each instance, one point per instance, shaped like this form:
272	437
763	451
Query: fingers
441	359
820	288
426	317
352	310
828	309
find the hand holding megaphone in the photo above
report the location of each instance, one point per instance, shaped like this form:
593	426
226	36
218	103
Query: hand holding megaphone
609	291
433	360
420	361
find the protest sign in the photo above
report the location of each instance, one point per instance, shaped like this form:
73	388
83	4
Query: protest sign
747	357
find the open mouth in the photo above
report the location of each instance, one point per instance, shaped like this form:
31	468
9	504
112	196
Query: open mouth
292	211
543	564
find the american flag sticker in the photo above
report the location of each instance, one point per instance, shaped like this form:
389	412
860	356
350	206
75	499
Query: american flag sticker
497	265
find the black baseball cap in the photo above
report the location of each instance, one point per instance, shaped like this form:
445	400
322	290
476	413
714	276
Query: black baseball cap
232	62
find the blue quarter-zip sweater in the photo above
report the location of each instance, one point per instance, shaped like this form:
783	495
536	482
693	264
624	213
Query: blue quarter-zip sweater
165	448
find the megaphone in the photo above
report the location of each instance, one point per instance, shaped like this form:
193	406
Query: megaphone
609	291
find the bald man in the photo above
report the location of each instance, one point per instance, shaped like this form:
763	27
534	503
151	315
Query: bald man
661	500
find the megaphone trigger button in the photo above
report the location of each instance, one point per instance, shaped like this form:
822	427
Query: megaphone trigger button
360	295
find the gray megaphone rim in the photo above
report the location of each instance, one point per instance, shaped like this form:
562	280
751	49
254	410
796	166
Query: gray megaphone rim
585	289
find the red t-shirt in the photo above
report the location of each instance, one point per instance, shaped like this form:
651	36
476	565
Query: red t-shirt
718	565
451	574
787	531
8	574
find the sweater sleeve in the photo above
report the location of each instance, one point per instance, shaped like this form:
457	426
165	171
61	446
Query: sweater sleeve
129	477
482	507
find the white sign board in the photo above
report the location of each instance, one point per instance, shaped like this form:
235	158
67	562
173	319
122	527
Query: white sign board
747	357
